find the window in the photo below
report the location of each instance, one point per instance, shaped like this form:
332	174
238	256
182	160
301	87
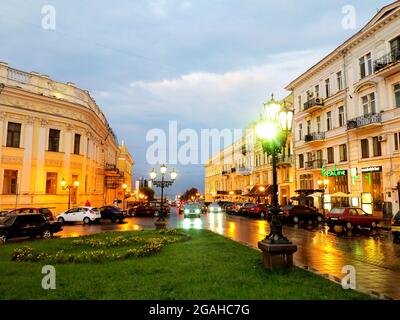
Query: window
299	99
364	148
51	183
301	161
339	80
397	95
54	140
329	121
327	88
77	143
396	141
317	91
318	124
13	135
300	131
308	127
331	156
395	46
365	65
368	103
10	182
343	152
306	182
319	154
377	146
341	116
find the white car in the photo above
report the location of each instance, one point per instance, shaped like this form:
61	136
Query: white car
214	208
80	214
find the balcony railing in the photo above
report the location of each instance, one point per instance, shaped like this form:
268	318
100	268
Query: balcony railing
315	164
314	102
365	120
243	171
316	136
285	160
110	167
386	60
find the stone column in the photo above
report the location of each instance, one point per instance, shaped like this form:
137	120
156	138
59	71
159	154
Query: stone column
67	154
40	158
27	161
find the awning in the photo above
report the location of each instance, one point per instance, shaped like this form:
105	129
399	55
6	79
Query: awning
256	192
341	195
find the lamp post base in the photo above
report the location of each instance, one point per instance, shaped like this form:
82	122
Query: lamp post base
160	224
277	256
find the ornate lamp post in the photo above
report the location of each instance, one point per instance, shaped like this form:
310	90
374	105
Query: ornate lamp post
160	223
273	131
64	186
323	185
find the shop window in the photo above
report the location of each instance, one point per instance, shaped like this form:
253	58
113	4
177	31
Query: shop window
364	148
377	146
10	181
13	135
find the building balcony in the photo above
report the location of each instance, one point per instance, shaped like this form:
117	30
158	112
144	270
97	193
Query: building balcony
285	161
313	104
365	120
315	136
315	164
386	63
243	171
111	169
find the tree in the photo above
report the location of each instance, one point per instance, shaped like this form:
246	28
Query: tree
148	192
189	194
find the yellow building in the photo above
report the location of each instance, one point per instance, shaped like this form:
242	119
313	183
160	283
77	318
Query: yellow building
52	132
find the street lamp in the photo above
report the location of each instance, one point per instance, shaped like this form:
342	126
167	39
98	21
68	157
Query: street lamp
160	223
323	185
261	189
66	186
273	131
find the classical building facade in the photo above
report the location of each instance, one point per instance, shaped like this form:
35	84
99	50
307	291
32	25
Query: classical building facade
52	132
347	119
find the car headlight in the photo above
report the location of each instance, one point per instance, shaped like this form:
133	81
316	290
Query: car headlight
219	209
198	211
186	211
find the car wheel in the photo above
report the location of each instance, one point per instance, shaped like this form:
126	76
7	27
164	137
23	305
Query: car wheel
320	218
373	225
3	238
86	220
61	220
348	226
296	219
262	215
47	234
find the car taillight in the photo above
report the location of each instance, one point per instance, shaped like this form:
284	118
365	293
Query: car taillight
286	212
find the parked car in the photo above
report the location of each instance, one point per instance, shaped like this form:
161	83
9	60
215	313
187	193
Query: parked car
396	227
254	210
44	211
225	204
112	213
351	217
27	225
214	208
86	215
296	214
157	206
144	209
229	207
192	210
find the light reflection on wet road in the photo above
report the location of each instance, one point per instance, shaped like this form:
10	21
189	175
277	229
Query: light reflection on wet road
375	257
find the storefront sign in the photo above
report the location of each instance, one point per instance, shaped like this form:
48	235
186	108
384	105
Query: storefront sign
371	169
333	173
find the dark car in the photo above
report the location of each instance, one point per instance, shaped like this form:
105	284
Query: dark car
44	211
157	206
254	210
112	213
27	225
296	214
351	217
144	210
396	227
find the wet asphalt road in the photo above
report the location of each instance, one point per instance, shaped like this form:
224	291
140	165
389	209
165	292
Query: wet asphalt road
373	254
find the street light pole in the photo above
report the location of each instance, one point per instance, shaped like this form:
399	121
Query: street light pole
64	186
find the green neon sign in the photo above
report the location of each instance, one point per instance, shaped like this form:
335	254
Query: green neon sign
333	173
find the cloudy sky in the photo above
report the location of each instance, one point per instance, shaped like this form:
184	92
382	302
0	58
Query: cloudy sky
202	63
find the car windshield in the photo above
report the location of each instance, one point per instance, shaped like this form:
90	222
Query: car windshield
7	220
337	211
192	206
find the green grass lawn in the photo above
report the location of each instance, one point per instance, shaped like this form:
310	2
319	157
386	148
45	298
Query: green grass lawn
207	266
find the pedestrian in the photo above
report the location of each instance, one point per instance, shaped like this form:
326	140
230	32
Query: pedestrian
87	203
